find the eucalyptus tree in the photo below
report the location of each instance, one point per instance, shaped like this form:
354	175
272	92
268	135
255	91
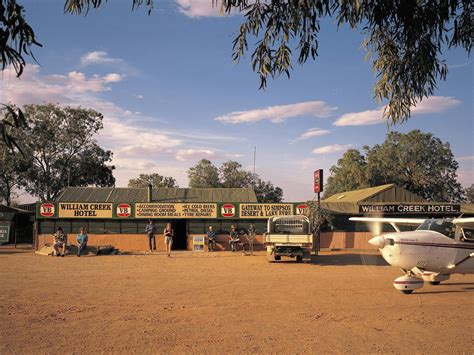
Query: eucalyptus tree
404	39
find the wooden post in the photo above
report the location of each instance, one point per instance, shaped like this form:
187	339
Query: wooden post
318	237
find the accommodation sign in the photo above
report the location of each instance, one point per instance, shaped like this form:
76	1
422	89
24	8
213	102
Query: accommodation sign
410	208
84	210
175	210
4	233
265	210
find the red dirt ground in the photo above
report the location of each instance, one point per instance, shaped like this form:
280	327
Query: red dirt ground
225	303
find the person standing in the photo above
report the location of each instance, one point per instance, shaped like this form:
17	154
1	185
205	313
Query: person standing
60	242
150	230
81	239
233	238
169	234
211	238
251	234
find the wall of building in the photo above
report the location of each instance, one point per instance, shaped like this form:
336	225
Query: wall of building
139	242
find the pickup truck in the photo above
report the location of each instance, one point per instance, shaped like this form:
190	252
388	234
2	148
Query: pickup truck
288	236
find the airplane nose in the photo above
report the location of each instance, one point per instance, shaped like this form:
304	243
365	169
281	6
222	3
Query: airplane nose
377	241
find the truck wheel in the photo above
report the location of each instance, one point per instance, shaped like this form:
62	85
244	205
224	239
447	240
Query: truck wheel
277	257
299	258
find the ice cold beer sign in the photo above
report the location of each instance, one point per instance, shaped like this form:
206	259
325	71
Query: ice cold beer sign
175	210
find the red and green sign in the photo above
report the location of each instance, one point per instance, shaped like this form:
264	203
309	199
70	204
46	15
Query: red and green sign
138	210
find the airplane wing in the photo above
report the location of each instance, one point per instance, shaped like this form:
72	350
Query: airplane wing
464	222
392	221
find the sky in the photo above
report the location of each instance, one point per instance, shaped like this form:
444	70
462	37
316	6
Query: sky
171	94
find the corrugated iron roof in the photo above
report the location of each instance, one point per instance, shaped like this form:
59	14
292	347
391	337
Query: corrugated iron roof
467	208
5	208
383	193
204	195
358	195
126	194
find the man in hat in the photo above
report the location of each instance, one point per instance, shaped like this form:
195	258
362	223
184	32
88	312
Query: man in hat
60	242
233	238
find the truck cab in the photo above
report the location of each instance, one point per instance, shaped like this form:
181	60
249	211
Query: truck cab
288	236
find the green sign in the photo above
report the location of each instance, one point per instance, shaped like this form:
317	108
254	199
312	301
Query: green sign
4	234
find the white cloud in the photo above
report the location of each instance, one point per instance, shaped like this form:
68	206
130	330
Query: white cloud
199	8
137	142
195	154
98	57
310	133
279	113
460	65
140	97
134	164
328	149
66	89
432	104
363	118
234	156
138	146
113	78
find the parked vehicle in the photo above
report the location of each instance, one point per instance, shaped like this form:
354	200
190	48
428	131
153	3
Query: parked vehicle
288	236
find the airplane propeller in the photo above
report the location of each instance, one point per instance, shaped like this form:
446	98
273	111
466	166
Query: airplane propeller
378	241
376	229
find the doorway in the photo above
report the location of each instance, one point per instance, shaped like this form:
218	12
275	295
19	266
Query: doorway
180	241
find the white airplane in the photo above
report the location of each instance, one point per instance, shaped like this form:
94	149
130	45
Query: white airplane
431	253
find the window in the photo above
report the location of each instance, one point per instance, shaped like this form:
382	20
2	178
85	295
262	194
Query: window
96	227
196	226
129	227
65	225
112	226
216	225
443	226
260	226
141	225
225	226
46	227
77	224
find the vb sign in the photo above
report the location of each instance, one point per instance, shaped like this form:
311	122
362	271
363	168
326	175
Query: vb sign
228	210
123	210
302	209
318	180
47	210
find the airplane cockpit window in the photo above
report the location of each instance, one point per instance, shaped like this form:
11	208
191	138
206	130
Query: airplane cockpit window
443	226
467	235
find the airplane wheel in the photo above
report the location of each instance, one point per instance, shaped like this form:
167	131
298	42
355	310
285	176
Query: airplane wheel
277	257
435	283
299	258
407	292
